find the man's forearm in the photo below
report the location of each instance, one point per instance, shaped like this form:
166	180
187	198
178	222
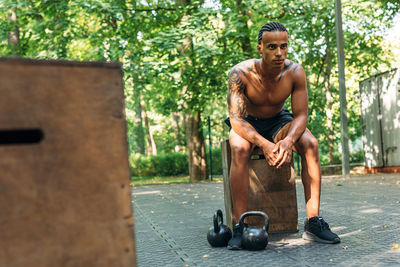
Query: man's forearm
247	131
297	128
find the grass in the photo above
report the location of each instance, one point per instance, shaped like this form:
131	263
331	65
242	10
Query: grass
153	180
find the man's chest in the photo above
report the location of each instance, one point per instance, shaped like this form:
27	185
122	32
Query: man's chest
268	94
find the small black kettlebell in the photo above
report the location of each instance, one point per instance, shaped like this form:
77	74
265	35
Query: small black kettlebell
219	234
254	238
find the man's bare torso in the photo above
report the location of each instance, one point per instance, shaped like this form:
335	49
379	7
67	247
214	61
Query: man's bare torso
266	97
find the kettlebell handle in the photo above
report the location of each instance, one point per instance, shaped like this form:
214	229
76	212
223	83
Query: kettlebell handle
254	213
218	217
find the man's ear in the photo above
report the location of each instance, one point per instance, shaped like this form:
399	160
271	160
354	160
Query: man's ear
259	48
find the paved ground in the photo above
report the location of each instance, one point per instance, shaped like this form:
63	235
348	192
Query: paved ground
171	223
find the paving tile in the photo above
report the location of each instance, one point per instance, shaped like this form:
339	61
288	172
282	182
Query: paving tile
171	223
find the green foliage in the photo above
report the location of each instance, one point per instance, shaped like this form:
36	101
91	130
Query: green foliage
354	157
176	56
216	161
337	159
164	164
147	180
169	164
141	165
357	157
165	141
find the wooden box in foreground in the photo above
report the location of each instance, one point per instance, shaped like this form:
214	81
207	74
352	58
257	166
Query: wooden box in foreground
271	190
64	180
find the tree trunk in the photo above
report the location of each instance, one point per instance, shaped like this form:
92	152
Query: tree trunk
13	36
329	102
151	145
194	134
196	150
140	141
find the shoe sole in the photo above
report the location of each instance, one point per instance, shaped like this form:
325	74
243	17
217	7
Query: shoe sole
311	237
234	248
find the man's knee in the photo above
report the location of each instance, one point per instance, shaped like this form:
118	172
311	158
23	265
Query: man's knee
308	142
240	152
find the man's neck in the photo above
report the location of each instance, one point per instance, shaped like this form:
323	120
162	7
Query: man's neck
268	72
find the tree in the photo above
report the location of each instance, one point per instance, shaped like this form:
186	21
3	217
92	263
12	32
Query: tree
176	56
185	69
13	36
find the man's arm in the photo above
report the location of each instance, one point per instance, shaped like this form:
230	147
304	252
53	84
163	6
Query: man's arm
237	111
300	114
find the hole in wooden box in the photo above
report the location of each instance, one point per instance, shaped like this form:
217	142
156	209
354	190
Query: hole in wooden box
21	136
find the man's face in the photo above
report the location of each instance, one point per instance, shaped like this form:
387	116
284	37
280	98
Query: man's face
273	48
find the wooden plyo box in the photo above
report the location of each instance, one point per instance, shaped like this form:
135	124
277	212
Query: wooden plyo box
271	190
64	183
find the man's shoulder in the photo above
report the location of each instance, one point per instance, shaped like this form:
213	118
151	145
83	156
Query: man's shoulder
292	65
244	66
295	71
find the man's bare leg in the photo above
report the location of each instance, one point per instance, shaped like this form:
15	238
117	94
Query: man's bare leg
307	147
239	173
315	228
239	183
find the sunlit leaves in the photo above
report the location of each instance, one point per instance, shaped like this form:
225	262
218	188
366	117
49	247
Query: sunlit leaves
178	55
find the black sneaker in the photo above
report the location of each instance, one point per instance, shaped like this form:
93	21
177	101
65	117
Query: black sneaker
316	229
235	243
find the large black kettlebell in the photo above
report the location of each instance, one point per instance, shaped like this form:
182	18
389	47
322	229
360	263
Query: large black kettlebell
219	234
254	238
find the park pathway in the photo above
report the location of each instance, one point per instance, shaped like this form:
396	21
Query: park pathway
171	222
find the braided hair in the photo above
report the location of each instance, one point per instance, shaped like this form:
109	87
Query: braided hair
271	27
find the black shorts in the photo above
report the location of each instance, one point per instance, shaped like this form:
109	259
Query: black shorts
268	127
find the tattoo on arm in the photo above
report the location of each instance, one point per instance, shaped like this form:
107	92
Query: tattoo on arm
236	95
237	105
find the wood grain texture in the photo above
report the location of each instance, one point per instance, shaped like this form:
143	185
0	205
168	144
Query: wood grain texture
226	164
66	200
271	190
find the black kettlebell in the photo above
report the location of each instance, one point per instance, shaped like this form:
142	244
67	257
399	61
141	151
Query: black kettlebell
254	238
219	234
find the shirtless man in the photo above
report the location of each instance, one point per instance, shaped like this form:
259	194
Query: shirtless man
257	92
